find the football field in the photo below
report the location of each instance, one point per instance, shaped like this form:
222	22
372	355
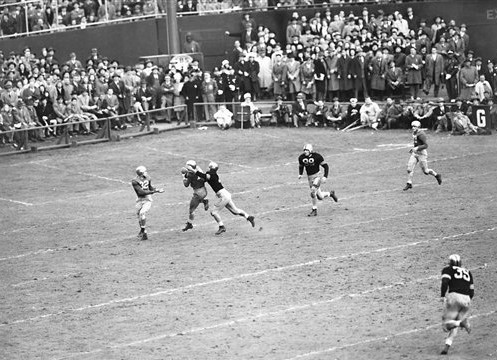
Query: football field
359	281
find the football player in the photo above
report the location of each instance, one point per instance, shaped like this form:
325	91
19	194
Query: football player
199	190
144	190
224	198
457	291
419	154
311	162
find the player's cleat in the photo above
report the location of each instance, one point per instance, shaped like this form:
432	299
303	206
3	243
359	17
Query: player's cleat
465	325
144	236
333	196
206	205
221	230
407	187
139	236
314	212
188	226
251	220
445	351
439	179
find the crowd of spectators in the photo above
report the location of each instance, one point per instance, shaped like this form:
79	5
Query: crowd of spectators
328	61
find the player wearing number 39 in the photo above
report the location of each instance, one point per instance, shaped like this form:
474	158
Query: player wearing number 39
457	292
144	190
311	162
419	154
224	198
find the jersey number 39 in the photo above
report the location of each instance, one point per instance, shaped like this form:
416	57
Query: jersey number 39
462	274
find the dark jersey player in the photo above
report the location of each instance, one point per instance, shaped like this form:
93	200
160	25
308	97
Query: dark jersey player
312	162
199	190
224	198
142	184
457	290
419	154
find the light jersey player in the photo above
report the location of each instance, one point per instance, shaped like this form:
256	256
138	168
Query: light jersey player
311	162
143	187
199	190
457	291
224	198
419	154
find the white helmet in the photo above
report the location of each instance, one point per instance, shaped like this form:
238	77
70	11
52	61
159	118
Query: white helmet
308	147
416	123
140	170
191	164
213	165
455	260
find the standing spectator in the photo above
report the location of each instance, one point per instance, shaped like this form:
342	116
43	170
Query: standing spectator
457	46
190	45
457	291
248	36
412	20
292	77
307	78
154	81
414	64
434	72
279	76
141	105
229	81
320	73
343	73
253	68
464	36
73	63
468	76
356	70
332	84
451	69
167	96
265	73
483	90
209	91
490	72
242	75
192	94
394	79
378	68
293	29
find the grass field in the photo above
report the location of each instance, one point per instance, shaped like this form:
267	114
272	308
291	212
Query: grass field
359	281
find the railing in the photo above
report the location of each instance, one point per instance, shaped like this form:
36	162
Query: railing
70	133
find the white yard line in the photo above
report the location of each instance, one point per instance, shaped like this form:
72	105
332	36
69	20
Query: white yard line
17	202
83	173
293	308
246	275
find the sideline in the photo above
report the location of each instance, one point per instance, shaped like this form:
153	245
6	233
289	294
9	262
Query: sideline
243	276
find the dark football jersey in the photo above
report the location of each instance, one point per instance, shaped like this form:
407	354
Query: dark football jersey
460	279
420	140
213	181
311	163
142	186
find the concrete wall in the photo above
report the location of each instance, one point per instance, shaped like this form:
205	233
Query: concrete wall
126	42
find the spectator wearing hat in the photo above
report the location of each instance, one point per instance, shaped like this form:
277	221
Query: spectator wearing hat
192	93
280	113
307	78
434	66
457	46
471	57
278	73
378	68
247	36
335	116
318	116
414	64
468	77
265	73
141	105
332	81
451	68
412	20
440	120
241	72
345	81
167	96
293	29
73	62
119	90
299	111
292	80
9	96
190	45
464	35
255	112
320	72
253	69
209	90
229	82
442	47
154	81
490	73
394	78
479	65
357	72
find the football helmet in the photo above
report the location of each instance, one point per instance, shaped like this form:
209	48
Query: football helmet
308	147
191	165
141	170
416	123
213	165
455	260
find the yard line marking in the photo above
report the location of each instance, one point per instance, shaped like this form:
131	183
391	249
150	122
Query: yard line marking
252	274
378	339
264	315
17	202
84	173
96	194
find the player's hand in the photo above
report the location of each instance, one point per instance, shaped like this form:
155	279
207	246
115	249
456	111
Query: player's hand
159	191
323	179
300	177
184	170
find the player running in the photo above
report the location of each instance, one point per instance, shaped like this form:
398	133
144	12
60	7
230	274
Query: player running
144	190
419	154
457	292
199	190
224	198
311	162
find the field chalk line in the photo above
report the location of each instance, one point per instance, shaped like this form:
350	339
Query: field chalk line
269	314
248	275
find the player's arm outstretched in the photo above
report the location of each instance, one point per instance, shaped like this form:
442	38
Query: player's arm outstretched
139	190
153	189
186	177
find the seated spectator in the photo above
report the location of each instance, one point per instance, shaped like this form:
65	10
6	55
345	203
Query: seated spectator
223	117
370	113
483	89
280	113
299	110
255	112
463	126
335	116
440	117
319	114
